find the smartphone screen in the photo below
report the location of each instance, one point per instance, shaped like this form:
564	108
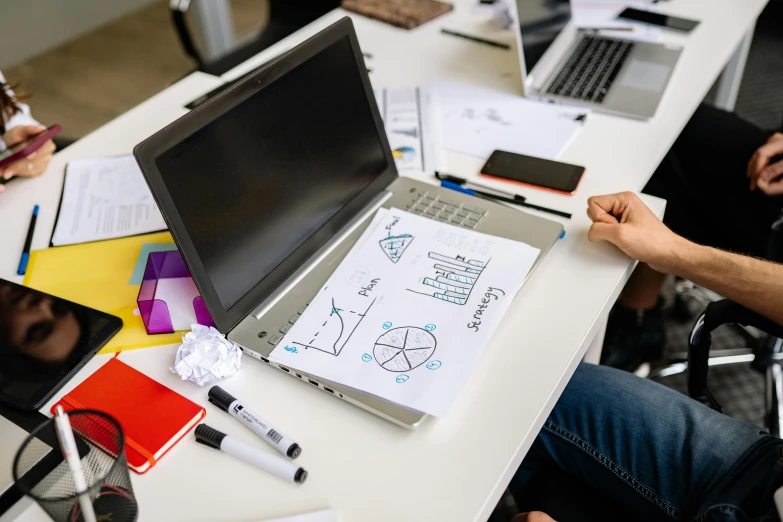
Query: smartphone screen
553	175
661	20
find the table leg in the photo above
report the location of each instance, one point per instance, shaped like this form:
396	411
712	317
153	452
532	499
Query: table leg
731	79
593	353
214	27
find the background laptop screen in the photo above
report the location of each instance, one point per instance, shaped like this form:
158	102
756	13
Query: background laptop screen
540	22
254	184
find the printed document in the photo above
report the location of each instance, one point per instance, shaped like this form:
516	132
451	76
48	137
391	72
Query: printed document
409	311
477	121
105	198
412	128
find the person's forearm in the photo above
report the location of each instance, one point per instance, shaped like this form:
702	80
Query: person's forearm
754	283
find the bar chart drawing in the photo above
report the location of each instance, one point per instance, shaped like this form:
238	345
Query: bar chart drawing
452	278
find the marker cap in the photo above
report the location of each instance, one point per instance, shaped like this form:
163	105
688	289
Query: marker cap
209	436
220	398
300	476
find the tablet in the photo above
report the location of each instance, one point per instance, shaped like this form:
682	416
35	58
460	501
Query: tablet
44	341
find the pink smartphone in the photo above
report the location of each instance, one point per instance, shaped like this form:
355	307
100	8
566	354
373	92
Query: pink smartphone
25	148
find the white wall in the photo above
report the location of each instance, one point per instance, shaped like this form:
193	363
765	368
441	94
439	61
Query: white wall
31	27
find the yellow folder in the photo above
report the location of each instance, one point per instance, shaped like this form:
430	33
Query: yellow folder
98	275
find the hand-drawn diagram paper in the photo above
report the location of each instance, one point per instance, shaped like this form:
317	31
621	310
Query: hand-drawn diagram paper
477	121
105	198
412	128
409	311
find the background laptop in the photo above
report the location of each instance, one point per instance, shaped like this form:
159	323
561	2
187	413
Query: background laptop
266	187
578	66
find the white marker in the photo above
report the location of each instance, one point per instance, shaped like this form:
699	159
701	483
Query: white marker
267	461
71	454
226	402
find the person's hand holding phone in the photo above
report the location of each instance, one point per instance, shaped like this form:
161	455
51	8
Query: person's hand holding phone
34	164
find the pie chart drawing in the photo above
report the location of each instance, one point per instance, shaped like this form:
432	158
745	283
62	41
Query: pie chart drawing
403	349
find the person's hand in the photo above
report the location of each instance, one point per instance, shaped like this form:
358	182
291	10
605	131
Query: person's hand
35	163
533	516
626	222
763	174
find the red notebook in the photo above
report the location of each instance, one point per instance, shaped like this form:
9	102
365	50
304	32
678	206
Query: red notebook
153	418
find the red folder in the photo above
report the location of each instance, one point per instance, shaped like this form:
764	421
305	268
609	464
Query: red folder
153	417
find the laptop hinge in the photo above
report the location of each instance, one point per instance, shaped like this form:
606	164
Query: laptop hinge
319	256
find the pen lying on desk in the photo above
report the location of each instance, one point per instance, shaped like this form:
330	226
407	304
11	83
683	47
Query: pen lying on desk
483	191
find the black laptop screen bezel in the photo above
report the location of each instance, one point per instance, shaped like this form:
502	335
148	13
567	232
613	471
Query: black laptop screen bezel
148	151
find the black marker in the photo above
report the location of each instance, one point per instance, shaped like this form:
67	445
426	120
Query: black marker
501	45
266	461
226	402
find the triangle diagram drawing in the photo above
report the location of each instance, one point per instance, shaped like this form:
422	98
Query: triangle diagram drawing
394	246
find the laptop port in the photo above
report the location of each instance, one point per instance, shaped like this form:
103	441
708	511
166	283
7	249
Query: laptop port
298	375
265	359
328	389
284	369
312	382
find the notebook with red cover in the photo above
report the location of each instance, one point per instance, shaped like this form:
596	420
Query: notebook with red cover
153	417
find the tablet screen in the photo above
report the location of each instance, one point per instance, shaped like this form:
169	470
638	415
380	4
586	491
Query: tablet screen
43	340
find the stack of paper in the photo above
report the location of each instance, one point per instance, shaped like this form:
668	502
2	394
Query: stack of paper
477	121
409	311
105	198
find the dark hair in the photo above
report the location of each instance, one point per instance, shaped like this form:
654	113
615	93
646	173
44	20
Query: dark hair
9	104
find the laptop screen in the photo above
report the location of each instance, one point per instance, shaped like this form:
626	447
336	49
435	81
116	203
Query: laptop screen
540	21
255	183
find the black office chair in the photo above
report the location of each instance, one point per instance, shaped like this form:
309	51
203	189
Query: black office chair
766	356
285	17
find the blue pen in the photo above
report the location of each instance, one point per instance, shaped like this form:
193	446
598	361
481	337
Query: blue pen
27	243
494	197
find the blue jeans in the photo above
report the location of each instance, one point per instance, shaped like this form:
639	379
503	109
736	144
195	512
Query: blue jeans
655	452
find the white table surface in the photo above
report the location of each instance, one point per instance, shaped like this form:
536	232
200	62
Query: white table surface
454	468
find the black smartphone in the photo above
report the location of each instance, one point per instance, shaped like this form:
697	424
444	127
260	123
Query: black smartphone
661	20
537	172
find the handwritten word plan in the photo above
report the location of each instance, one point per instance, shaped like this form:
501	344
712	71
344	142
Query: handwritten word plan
410	309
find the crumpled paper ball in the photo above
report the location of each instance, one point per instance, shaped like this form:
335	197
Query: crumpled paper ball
206	356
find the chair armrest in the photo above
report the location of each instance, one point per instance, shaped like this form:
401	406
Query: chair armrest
179	8
717	314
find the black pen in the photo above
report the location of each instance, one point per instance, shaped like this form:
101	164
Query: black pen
463	181
501	45
514	199
27	243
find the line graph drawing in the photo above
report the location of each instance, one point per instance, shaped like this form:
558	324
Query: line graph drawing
336	330
394	246
453	280
403	349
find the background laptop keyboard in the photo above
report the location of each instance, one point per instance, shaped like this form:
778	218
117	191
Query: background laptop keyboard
591	69
424	204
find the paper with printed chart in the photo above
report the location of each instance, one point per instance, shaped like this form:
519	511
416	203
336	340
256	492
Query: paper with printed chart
408	312
412	128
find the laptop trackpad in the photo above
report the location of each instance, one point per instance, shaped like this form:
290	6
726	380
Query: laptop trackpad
648	76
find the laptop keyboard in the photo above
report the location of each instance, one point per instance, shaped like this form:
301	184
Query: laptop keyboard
441	209
591	69
423	204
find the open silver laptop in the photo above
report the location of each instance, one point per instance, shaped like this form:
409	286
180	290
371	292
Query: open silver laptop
578	66
266	188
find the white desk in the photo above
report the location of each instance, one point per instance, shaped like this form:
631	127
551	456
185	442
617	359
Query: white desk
454	468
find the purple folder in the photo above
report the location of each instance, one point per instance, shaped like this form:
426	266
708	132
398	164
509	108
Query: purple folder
154	310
